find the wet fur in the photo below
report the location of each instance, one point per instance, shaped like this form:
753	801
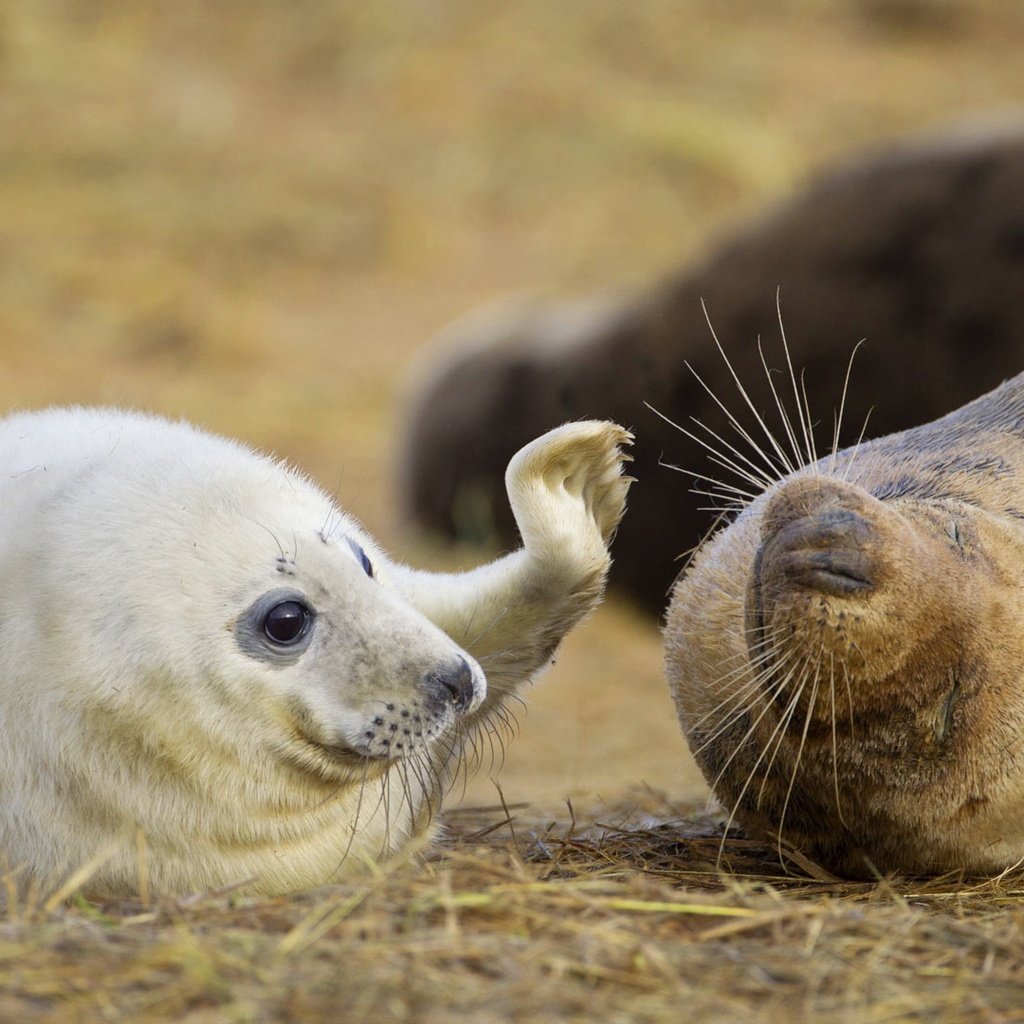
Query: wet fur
845	652
149	736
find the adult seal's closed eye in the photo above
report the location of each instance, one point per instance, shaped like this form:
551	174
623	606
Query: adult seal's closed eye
846	655
210	674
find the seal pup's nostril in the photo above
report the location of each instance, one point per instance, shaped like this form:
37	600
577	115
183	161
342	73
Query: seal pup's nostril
453	685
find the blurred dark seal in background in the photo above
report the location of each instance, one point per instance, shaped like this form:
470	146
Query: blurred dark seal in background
918	249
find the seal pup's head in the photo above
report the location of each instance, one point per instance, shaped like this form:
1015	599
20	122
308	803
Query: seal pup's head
255	593
845	654
203	644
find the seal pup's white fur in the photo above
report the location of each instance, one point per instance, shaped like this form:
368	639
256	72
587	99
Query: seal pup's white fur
148	574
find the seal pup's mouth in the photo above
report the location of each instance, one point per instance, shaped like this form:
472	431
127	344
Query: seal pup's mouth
389	731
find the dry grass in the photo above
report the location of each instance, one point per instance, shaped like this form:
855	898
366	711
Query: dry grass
532	920
252	214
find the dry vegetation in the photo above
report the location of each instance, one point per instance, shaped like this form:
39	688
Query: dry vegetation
252	214
537	922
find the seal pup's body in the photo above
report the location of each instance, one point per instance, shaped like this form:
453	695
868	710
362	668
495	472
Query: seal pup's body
209	674
847	657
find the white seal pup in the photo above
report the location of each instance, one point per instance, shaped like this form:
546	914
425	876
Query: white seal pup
212	674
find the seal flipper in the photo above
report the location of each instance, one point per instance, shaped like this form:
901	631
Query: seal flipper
568	493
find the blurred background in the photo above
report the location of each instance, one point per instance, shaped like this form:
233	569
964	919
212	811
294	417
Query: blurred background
256	214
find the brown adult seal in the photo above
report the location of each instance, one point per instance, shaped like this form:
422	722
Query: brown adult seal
846	656
917	247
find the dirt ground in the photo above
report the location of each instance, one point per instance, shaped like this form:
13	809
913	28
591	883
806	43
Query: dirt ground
256	215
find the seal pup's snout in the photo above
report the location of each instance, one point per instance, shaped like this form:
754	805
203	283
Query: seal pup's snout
455	685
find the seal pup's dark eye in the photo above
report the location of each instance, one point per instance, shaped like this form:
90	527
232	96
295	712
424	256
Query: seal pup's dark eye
364	560
286	623
277	627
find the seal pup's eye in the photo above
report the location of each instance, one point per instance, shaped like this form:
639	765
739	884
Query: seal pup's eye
286	623
277	628
364	560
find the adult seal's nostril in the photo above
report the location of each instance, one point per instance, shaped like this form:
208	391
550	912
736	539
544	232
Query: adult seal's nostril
829	551
453	685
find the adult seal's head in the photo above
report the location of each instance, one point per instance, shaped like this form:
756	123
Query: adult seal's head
846	655
211	675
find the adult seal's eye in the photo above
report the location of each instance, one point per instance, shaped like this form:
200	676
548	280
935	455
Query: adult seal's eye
364	560
287	623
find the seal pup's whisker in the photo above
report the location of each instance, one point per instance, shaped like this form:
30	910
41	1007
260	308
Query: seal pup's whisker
503	723
283	555
849	701
730	506
856	448
500	726
777	739
798	459
472	748
755	476
500	733
445	768
431	782
813	461
761	647
766	648
759	475
752	772
353	829
459	774
732	707
774	691
486	732
735	497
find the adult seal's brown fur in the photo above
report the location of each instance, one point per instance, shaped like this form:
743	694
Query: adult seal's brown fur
846	657
919	248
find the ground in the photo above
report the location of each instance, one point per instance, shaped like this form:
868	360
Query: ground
255	215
